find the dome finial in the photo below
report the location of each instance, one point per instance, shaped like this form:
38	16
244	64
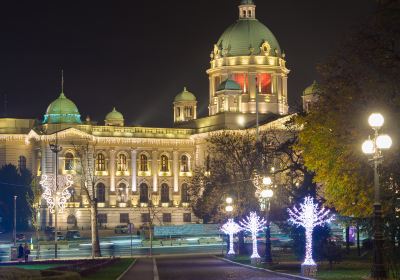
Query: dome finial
247	9
62	80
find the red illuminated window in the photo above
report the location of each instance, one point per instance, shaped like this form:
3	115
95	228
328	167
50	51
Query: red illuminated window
243	80
264	83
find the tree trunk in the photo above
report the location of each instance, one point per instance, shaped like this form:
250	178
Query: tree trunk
358	241
347	239
242	245
95	231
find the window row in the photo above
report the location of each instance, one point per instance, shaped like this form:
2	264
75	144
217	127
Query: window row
144	193
124	218
122	163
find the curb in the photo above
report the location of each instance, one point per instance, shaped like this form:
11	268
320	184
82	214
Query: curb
126	270
155	270
291	276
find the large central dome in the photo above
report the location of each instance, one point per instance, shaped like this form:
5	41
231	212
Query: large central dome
246	37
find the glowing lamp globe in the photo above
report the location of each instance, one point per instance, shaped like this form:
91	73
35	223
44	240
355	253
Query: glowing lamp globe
229	200
368	147
267	193
229	208
383	141
267	181
376	120
241	121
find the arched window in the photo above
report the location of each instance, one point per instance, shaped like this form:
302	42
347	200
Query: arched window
122	196
69	161
22	163
101	193
184	193
143	163
144	193
101	162
184	163
71	220
164	193
164	163
121	164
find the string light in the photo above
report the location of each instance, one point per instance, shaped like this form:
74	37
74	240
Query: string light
309	216
56	193
253	224
231	228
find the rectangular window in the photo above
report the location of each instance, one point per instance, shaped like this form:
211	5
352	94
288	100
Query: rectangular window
102	218
187	217
145	217
124	218
166	217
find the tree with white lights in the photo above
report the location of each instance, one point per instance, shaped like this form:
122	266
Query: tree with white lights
253	224
231	228
309	215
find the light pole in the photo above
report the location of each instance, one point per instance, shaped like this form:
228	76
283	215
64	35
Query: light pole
229	210
15	221
55	148
374	148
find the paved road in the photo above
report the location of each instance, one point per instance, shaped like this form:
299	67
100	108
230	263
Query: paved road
142	269
210	268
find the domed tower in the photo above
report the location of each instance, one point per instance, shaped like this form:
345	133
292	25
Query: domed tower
62	110
310	96
248	54
185	106
114	118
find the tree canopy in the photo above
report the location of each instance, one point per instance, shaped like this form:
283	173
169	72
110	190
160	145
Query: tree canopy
360	78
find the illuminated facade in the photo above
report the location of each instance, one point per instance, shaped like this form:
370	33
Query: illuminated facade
136	166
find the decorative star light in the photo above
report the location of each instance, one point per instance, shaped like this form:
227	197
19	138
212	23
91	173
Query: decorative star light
231	228
309	216
56	193
253	224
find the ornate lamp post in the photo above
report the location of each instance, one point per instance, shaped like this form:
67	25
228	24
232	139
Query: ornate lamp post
264	193
374	148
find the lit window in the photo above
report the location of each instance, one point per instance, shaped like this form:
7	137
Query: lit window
122	163
22	163
122	193
144	193
69	162
164	163
185	193
101	193
184	163
143	163
164	193
101	162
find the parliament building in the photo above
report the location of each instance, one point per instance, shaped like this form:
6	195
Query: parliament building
135	166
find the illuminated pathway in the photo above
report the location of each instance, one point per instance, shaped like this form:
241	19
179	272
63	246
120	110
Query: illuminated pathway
210	268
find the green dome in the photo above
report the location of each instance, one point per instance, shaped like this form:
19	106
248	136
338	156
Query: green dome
185	96
114	115
229	85
311	89
62	110
246	37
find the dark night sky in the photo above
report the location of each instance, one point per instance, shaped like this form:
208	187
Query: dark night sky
137	55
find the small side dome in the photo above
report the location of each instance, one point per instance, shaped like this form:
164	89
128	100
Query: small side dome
114	118
246	2
229	85
62	110
185	95
311	89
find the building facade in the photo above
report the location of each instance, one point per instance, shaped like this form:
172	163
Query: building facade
140	166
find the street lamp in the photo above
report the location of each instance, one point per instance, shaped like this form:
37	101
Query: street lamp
15	221
229	210
264	193
374	148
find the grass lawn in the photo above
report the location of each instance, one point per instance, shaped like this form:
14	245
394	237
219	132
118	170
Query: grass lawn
111	271
36	266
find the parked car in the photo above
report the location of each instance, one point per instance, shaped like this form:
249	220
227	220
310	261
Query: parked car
73	235
20	237
121	229
60	236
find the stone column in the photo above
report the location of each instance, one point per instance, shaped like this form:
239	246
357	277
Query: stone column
154	169
176	170
133	170
252	85
112	170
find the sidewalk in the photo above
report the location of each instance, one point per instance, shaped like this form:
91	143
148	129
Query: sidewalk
142	269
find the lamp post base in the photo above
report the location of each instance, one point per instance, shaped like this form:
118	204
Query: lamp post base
309	270
255	261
